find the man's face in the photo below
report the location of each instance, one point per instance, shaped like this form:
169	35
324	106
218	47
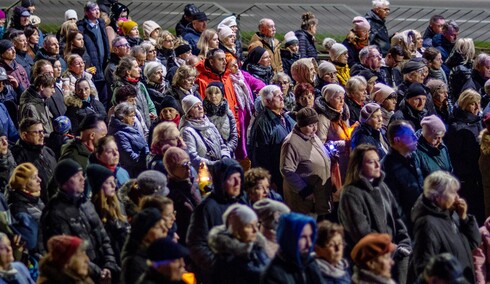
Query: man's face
406	139
75	185
199	26
382	11
437	26
451	35
34	135
20	43
373	60
305	241
218	62
277	102
417	102
4	145
233	185
268	28
141	58
485	69
121	48
93	13
393	61
52	47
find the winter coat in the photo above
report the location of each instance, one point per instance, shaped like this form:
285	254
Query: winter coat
186	197
484	163
20	275
433	159
10	104
445	47
41	156
264	145
34	106
406	112
7	166
56	103
110	68
274	51
405	180
437	231
354	110
334	274
334	126
476	82
428	35
234	257
133	148
462	142
25	61
72	78
459	76
305	167
99	58
207	75
209	214
178	94
391	76
42	54
364	276
370	207
222	117
143	101
260	72
287	266
192	37
75	216
307	46
287	59
77	110
378	34
77	151
49	273
352	50
366	134
18	72
204	142
481	255
26	210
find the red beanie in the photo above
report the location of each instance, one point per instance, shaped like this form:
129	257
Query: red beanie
62	248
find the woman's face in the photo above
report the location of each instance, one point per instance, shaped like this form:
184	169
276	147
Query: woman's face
215	96
109	186
6	254
57	69
265	60
151	54
312	71
312	29
284	84
187	83
440	96
306	100
474	108
155	33
371	167
110	154
437	62
197	111
360	94
157	76
182	170
434	139
337	101
134	32
309	130
259	191
362	34
233	66
78	40
343	58
447	199
82	90
77	66
33	186
214	42
169	215
168	114
333	250
330	78
229	40
34	38
376	120
419	40
389	104
168	42
381	265
130	118
135	71
247	233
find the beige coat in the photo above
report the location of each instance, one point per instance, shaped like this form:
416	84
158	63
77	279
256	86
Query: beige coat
305	167
274	52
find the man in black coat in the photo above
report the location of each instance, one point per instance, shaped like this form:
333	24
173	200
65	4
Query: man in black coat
402	168
69	213
378	35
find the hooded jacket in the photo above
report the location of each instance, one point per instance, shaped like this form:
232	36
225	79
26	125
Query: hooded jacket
34	106
437	231
209	214
77	110
288	266
234	257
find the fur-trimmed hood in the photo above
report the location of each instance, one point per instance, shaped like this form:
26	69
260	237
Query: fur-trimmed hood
222	241
484	139
74	101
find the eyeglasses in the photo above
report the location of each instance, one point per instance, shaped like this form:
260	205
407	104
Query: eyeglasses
122	45
152	51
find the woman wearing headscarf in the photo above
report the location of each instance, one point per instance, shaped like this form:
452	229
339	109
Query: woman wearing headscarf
304	71
357	39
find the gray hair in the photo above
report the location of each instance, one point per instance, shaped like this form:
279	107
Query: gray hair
123	109
480	60
116	40
262	22
267	93
280	75
137	50
354	83
450	24
3	235
146	45
364	53
439	183
380	3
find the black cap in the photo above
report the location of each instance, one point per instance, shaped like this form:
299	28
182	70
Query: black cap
166	249
200	16
190	10
89	122
143	222
415	89
65	169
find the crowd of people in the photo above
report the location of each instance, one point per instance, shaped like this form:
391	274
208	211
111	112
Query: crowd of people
196	157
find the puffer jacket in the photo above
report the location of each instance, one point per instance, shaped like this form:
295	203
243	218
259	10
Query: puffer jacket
274	51
288	58
378	34
234	257
133	147
204	142
222	117
307	48
75	216
77	110
437	231
192	37
34	106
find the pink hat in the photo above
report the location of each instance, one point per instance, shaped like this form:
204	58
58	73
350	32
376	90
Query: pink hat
434	123
360	23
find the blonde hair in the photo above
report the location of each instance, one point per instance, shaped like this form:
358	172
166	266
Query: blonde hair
203	43
467	98
108	207
466	48
354	83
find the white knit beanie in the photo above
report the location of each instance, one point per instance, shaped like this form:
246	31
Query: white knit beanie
237	216
149	27
188	102
224	32
325	68
337	50
71	14
290	38
152	66
228	21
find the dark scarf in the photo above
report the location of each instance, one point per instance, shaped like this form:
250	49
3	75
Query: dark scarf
212	109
